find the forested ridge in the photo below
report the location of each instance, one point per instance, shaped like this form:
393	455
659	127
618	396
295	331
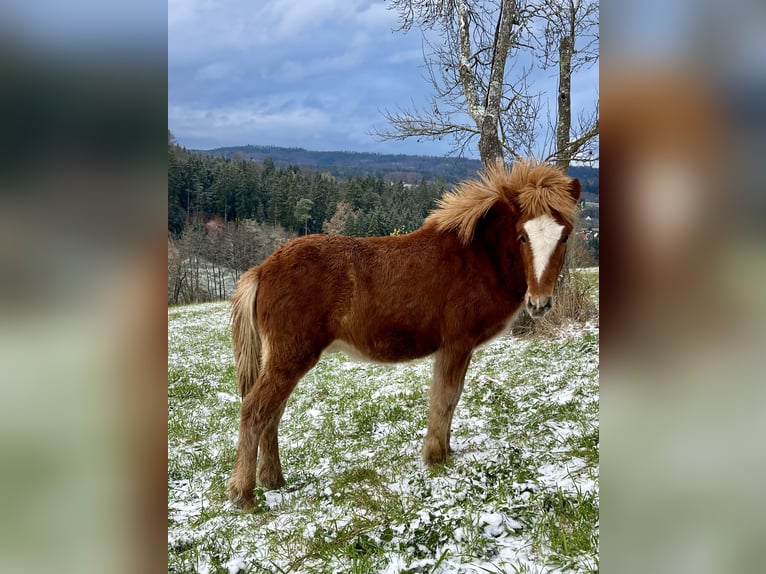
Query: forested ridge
298	199
349	164
231	184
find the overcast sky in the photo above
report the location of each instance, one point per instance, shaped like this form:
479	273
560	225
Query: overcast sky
316	74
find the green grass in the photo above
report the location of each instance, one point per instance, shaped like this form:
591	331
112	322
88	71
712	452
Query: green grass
520	494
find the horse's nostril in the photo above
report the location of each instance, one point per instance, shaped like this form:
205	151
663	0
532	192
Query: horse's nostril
537	307
540	305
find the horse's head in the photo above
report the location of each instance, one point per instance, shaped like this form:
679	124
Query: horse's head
539	199
543	244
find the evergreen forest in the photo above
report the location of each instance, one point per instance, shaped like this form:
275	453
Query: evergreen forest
298	199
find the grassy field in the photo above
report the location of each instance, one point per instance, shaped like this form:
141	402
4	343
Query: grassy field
520	495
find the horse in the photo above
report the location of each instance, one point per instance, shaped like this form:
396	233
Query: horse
494	244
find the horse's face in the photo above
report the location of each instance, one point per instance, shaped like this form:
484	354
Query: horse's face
543	244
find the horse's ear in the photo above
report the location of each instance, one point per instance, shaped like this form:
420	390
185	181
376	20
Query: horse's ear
575	188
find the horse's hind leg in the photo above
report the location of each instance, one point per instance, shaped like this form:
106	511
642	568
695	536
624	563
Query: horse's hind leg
449	375
269	466
259	418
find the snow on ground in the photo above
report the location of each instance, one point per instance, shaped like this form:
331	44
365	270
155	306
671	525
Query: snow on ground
358	497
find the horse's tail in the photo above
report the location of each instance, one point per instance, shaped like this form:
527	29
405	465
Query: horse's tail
245	337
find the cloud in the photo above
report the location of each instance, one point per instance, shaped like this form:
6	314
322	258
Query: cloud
214	71
292	19
285	73
407	56
241	118
323	123
302	74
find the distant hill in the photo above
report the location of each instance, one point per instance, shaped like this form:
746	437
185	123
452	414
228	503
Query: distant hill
588	177
390	167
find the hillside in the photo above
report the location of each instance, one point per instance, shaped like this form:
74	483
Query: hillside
346	164
521	493
389	167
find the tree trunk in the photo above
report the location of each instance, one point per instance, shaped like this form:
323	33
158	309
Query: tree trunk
490	149
564	124
490	146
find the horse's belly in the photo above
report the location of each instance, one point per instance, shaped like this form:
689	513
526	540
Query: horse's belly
338	346
390	348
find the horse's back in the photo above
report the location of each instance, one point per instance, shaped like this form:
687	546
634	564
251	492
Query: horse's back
306	279
378	296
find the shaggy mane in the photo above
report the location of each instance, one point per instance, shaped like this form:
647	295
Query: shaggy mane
530	187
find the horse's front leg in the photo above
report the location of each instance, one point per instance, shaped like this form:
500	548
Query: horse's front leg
450	367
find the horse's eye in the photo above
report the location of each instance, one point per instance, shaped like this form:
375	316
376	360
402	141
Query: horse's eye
523	238
564	239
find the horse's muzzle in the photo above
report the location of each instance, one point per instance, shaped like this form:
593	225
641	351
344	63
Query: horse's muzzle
538	306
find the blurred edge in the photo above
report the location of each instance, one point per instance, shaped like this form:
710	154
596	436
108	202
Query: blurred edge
683	273
82	294
82	288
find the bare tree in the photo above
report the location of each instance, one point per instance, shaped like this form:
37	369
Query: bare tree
570	41
479	56
337	223
251	242
467	70
185	266
205	262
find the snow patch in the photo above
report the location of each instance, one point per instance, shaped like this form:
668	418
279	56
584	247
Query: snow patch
236	565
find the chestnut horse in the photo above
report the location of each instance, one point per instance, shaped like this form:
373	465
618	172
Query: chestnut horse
491	246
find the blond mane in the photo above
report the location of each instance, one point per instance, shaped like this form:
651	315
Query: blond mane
530	187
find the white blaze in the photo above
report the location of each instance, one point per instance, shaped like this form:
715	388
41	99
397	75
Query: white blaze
543	234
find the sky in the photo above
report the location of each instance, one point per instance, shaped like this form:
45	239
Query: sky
316	74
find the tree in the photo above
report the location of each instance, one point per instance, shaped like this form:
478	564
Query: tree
323	191
354	193
566	22
337	223
302	212
476	94
176	215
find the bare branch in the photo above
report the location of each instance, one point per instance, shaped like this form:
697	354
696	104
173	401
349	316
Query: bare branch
464	65
481	92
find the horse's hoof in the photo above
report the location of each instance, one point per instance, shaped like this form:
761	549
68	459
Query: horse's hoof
271	482
242	500
432	461
435	456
